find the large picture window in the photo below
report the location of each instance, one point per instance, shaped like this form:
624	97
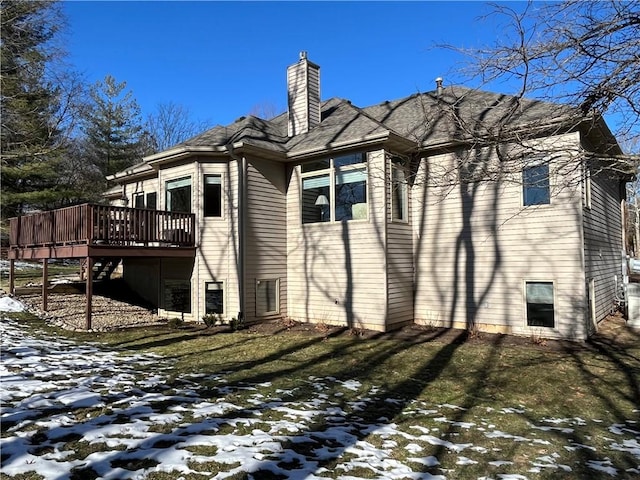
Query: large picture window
540	309
535	185
335	189
267	294
179	195
212	196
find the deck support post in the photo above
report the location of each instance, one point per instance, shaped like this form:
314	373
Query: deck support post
45	283
89	292
12	276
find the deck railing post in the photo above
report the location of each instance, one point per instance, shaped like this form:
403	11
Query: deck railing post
89	293
12	276
45	284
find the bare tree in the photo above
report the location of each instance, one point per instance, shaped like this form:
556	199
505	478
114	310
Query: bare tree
170	125
578	53
265	110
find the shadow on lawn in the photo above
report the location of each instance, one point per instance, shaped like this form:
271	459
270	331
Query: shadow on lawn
379	409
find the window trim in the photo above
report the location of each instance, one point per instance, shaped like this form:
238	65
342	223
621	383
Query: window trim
166	192
526	302
333	171
204	190
136	196
146	200
397	164
277	296
221	283
587	188
528	166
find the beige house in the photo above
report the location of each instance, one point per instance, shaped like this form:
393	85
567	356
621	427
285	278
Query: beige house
456	208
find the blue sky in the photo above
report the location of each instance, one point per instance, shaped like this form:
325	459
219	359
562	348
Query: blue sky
222	60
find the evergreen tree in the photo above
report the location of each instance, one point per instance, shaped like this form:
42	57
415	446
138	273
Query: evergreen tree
115	138
33	117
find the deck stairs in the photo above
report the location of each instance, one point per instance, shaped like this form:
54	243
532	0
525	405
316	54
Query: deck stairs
103	268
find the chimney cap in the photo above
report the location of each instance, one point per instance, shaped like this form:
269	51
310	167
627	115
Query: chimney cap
439	82
303	55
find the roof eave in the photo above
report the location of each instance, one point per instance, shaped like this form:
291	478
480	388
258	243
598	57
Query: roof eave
398	143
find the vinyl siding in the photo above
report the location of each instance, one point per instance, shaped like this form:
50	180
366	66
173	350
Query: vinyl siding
476	246
603	242
218	247
399	265
266	234
336	271
144	186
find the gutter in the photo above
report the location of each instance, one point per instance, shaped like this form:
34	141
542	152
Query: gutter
242	216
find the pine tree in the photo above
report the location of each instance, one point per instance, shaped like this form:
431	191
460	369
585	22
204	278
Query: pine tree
32	140
113	127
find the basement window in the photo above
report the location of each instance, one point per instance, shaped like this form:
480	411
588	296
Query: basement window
177	296
267	294
540	307
214	297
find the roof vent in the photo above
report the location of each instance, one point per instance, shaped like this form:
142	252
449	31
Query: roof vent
439	86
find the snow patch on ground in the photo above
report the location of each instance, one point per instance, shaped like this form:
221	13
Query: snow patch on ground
141	421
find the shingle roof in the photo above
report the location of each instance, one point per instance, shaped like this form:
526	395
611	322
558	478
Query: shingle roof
425	119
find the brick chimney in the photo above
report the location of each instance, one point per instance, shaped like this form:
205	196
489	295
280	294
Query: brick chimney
303	91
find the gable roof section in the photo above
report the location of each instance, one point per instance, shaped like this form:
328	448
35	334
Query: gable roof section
460	114
343	125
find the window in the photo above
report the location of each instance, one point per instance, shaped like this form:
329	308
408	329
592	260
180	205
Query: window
535	185
177	295
587	188
399	192
267	294
212	196
213	297
138	200
540	304
179	195
335	189
152	202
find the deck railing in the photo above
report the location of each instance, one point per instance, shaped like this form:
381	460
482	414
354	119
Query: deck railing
102	225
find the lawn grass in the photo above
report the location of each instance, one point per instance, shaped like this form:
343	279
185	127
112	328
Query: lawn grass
33	274
486	392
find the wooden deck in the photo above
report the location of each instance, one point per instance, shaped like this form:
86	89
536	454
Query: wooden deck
97	232
101	230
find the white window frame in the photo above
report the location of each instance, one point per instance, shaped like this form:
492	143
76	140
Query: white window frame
526	302
167	195
587	187
398	164
136	196
204	189
221	287
276	309
334	172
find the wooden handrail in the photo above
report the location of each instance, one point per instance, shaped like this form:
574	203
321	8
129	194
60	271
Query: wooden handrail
102	224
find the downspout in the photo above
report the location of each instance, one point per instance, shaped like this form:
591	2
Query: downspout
242	209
